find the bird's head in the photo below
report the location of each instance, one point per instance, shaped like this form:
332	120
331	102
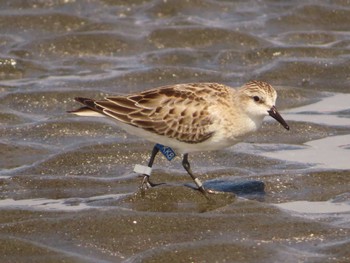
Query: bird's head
258	100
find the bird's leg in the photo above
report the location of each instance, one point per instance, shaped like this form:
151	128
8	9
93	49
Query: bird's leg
146	183
187	167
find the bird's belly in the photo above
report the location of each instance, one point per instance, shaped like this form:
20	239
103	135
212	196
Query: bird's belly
209	145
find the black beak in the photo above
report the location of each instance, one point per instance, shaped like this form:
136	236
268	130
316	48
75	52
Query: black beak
274	114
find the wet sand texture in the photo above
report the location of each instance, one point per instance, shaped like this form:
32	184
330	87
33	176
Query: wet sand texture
67	190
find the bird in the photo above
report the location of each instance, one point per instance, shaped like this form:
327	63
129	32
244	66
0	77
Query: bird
189	117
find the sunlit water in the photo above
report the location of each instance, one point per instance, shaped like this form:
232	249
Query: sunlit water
67	190
331	152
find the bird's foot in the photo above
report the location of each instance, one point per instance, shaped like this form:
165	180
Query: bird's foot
146	183
215	192
203	191
208	192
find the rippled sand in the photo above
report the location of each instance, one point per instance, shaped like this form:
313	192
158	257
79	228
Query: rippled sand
68	193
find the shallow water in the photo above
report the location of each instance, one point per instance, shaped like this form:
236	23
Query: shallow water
68	193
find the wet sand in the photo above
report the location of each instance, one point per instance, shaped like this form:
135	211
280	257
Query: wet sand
67	190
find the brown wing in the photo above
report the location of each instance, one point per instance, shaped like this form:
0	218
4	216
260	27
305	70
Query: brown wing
177	111
173	111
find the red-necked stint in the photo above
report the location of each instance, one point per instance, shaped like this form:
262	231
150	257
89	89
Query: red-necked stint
189	117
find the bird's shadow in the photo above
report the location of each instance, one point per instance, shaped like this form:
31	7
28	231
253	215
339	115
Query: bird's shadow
251	189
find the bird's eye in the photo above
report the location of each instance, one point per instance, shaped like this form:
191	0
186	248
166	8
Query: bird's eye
256	98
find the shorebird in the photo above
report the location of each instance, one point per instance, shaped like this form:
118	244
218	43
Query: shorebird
189	117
